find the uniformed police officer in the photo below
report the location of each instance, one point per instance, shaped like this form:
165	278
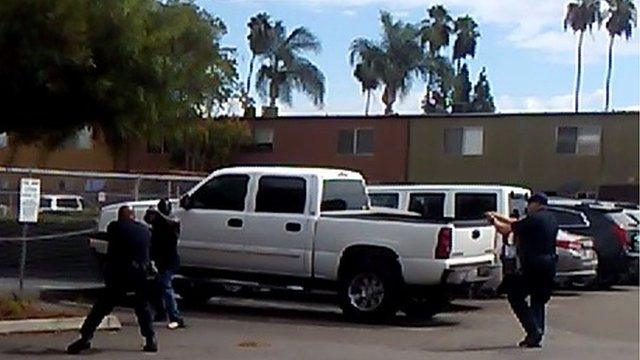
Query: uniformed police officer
127	266
535	237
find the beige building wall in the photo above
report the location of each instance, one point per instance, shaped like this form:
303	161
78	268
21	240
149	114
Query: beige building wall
521	149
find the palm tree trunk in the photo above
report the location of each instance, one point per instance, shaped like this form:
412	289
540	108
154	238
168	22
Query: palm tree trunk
253	58
273	85
609	69
366	106
579	71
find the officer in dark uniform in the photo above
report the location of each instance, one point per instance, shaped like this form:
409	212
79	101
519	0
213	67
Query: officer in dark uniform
535	237
165	232
127	266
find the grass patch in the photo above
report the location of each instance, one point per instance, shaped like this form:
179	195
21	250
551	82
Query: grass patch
13	307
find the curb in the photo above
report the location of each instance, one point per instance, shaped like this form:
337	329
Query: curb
110	322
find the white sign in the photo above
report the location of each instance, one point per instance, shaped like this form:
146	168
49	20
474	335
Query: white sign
29	200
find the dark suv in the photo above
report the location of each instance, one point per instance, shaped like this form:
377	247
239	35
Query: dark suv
606	224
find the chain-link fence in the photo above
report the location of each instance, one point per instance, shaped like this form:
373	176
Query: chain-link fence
57	246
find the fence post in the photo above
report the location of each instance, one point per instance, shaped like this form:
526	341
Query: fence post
23	254
136	190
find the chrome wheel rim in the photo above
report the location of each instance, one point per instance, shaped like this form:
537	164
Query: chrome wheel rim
366	292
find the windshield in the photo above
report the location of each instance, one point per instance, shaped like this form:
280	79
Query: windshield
344	195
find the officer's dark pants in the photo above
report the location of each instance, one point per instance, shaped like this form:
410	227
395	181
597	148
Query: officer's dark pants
535	282
113	292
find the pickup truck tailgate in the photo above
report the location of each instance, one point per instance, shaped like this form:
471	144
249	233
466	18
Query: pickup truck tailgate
471	239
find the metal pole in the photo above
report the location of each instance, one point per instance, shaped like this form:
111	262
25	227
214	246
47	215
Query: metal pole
169	189
23	254
136	190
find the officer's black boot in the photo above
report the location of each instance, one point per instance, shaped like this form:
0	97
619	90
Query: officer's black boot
78	346
150	345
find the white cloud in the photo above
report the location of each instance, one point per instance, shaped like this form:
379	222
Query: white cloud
349	13
529	24
562	102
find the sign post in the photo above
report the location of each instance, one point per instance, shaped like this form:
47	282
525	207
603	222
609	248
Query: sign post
29	206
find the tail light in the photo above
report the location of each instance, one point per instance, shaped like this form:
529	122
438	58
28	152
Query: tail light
443	249
622	236
569	244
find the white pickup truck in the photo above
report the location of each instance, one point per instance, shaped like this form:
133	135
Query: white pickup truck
313	229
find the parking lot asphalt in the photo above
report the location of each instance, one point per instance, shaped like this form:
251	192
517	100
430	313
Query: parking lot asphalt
582	325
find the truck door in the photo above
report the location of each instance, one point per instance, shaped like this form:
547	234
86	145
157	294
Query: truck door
279	232
213	223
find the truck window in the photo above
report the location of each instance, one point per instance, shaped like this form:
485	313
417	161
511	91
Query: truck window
431	205
340	195
225	192
68	203
45	203
472	206
389	200
283	195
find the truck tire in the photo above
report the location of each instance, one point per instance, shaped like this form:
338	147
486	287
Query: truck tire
369	289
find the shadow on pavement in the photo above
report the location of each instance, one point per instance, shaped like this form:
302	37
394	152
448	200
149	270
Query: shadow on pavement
477	349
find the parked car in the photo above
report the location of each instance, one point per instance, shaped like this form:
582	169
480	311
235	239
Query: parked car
577	260
313	229
612	241
61	203
459	202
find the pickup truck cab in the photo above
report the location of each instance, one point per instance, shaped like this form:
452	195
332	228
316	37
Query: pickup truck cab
313	229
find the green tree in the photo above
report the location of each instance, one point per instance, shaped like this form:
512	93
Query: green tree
622	17
206	144
365	73
466	30
260	39
284	68
581	16
482	101
435	34
129	69
462	91
395	60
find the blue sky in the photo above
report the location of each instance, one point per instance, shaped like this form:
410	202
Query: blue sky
528	56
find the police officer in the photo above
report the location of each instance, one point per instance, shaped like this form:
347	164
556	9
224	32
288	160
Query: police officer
164	253
535	237
126	270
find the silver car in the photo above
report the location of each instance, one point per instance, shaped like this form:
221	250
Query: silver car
577	260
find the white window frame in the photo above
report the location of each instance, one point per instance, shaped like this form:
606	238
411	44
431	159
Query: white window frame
581	132
466	149
355	137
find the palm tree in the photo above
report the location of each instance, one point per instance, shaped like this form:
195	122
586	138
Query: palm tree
581	16
466	30
366	75
284	69
260	38
395	59
622	18
435	34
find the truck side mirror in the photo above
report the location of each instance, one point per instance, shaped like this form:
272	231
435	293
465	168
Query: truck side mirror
185	202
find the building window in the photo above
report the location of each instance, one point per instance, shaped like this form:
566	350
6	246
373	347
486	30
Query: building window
355	142
263	139
81	140
580	140
468	140
4	140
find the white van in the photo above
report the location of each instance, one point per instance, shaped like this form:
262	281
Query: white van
61	203
456	202
460	202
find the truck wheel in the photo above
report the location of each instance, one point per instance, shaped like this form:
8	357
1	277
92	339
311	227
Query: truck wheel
369	289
